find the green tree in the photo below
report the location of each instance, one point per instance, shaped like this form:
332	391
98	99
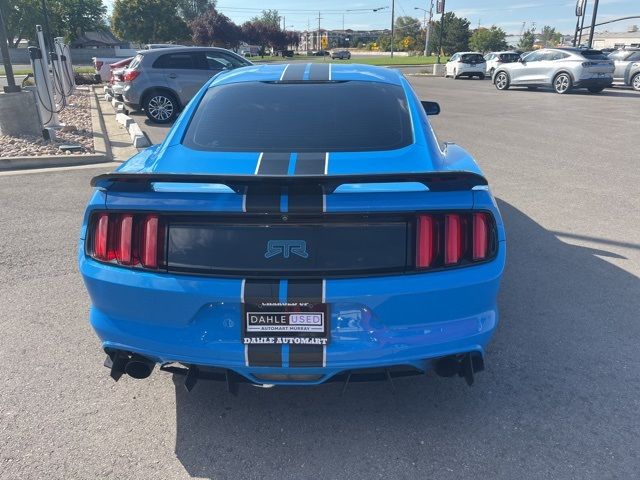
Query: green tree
214	28
549	37
20	17
191	9
488	40
456	34
526	42
67	18
148	21
264	30
408	33
71	18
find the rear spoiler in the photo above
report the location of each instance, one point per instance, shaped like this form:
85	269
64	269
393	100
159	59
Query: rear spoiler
434	181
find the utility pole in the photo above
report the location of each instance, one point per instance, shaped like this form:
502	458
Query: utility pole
441	6
319	43
593	22
393	21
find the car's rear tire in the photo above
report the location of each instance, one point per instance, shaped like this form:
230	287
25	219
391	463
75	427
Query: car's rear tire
562	83
160	107
501	81
635	82
595	89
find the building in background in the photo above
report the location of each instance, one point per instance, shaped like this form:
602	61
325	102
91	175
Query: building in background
99	39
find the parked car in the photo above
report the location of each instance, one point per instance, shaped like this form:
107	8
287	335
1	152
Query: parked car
116	81
627	66
341	54
562	69
466	64
162	81
495	59
283	53
247	247
102	67
320	53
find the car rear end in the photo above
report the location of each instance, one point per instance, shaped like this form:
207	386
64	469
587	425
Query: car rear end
471	64
592	69
133	79
295	265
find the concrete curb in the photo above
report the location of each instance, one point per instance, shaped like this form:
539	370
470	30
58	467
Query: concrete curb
100	147
138	138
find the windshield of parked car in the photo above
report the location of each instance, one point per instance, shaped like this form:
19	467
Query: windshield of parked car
472	58
301	117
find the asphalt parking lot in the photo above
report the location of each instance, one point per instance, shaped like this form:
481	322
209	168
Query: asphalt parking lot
559	398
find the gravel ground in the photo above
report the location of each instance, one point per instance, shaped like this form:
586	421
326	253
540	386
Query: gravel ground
76	117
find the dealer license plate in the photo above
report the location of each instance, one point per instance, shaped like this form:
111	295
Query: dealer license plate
292	323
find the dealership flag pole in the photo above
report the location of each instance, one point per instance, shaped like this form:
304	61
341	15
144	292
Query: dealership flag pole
593	22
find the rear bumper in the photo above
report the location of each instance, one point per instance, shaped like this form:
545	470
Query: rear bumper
374	322
594	82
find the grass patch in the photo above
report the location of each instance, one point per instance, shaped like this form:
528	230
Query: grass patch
26	71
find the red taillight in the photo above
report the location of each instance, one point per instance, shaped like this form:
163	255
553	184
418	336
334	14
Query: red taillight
452	238
101	237
127	239
425	242
124	251
149	243
130	75
480	236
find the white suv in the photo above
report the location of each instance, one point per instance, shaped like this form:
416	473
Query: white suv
469	64
495	59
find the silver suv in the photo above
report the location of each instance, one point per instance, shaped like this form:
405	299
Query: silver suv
559	68
627	62
162	81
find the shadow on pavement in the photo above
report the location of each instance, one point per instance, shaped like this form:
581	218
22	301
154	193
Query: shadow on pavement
558	398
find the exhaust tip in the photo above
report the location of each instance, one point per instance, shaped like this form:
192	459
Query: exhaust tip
139	367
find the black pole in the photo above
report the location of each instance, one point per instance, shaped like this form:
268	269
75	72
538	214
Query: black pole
8	68
575	35
441	32
593	22
584	14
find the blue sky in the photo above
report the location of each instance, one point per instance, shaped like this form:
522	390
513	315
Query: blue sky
508	14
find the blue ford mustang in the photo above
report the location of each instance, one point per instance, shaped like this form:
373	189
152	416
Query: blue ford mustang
299	224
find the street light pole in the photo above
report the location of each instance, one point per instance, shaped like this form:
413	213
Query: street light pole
393	21
441	30
593	22
584	14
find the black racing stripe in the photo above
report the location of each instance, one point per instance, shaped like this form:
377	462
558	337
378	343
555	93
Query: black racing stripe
305	355
294	72
262	199
264	355
256	292
274	163
319	72
261	291
305	199
305	291
310	163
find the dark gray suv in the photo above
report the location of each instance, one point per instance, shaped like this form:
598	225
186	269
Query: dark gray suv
162	81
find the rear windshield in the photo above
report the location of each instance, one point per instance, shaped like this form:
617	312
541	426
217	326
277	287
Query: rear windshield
594	55
509	57
472	58
301	117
